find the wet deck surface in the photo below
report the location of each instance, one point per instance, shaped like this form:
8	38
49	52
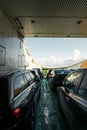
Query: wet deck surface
48	116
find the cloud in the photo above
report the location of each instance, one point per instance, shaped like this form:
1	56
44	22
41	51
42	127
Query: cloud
77	55
53	58
53	61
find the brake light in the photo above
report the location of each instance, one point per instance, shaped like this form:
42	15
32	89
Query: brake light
17	112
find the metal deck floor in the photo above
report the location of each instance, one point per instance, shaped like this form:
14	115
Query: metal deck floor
47	113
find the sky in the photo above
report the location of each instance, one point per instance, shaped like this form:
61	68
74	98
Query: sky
57	51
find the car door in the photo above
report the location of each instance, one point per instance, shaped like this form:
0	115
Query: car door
82	102
67	92
77	103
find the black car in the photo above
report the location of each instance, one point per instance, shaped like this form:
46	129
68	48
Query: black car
57	76
72	96
17	92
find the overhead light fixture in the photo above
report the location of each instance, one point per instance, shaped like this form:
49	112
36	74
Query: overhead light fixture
18	23
36	35
79	22
68	35
32	21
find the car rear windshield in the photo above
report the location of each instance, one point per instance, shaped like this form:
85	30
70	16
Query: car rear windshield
62	71
58	71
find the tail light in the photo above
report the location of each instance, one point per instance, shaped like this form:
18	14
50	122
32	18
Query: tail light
17	112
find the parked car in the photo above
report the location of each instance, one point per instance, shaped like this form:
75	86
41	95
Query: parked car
72	98
57	76
17	90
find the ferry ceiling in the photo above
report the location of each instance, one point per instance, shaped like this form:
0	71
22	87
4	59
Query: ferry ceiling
47	18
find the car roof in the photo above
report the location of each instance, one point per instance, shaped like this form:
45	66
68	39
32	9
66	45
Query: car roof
80	70
11	72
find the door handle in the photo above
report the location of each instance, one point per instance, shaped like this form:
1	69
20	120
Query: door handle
67	98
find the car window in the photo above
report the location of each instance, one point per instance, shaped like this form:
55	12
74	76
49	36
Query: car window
66	71
18	85
72	80
83	87
32	76
28	77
